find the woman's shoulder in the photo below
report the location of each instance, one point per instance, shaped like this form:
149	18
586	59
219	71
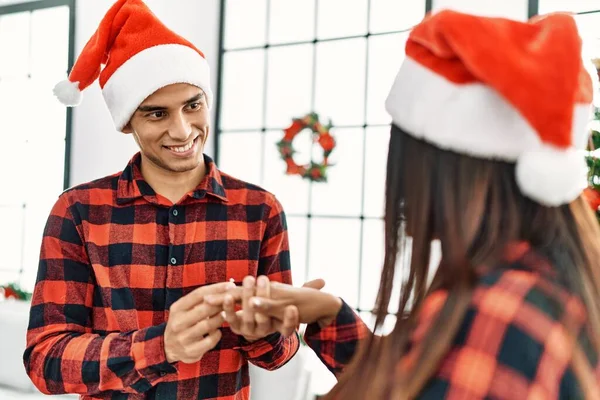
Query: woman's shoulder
513	342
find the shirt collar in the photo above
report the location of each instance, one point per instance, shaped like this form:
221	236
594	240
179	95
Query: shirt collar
132	185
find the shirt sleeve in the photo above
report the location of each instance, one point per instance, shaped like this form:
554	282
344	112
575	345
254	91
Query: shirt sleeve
62	353
337	343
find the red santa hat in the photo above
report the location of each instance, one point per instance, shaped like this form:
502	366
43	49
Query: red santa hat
140	55
500	89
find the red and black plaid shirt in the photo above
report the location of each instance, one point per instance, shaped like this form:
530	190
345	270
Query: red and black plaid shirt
511	345
116	255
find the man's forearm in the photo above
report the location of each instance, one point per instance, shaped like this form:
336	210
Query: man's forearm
85	363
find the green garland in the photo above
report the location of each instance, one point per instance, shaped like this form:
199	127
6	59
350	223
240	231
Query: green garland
14	291
592	193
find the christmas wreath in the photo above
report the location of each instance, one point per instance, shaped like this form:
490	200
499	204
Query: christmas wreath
14	291
314	171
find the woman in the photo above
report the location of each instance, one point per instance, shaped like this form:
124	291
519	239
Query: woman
487	115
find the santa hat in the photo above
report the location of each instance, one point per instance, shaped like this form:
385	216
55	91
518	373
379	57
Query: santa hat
498	89
140	55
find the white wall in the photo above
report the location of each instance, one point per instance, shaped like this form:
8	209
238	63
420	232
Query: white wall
97	148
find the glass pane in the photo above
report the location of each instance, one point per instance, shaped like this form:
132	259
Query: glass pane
11	239
339	18
13	95
51	120
372	262
240	155
14	40
42	138
334	256
297	235
243	86
509	9
35	221
589	29
388	323
340	81
435	258
547	6
372	265
377	144
291	190
27	280
342	193
7	277
386	54
394	15
50	153
50	42
291	21
289	84
245	23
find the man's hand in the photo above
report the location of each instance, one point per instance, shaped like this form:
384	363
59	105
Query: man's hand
286	306
246	322
193	326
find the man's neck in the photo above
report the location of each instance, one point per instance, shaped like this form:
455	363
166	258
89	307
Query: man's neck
172	185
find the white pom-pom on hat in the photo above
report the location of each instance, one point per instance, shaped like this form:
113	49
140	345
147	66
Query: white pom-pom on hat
68	93
552	176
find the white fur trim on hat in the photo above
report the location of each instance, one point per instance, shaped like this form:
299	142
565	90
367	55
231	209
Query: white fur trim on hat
68	93
150	70
473	119
552	176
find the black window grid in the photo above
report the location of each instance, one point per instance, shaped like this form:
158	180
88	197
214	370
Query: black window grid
532	10
308	216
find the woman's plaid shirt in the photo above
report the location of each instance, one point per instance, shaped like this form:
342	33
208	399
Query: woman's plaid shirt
512	343
115	256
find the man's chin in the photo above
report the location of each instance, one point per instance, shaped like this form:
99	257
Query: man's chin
184	167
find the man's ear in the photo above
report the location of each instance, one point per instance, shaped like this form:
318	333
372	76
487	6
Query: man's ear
127	129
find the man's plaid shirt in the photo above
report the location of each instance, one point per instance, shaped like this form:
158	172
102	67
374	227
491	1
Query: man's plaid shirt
511	345
116	255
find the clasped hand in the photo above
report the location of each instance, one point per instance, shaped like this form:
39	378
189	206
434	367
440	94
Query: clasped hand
255	310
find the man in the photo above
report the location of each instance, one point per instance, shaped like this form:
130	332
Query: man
126	260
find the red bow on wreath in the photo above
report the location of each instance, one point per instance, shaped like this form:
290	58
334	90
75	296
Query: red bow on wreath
314	171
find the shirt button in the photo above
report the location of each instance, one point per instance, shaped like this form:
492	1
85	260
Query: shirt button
173	261
175	213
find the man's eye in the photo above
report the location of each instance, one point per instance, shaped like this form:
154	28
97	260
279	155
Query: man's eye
157	114
194	106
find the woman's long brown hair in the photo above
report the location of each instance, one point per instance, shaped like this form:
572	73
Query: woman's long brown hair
474	208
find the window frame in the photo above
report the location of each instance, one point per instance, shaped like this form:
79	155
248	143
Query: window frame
264	129
31	6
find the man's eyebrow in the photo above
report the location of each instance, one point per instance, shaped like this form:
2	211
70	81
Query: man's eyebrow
151	108
196	98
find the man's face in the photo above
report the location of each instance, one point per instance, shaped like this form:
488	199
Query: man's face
171	127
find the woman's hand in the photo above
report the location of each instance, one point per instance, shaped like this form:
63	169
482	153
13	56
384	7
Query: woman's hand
286	306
